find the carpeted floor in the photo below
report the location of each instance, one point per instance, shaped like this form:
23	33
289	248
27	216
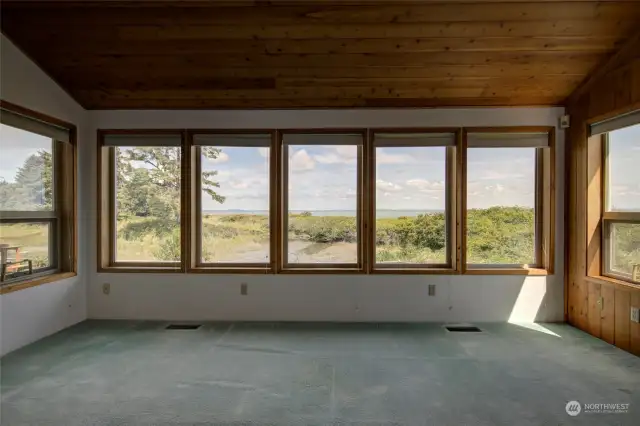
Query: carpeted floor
130	373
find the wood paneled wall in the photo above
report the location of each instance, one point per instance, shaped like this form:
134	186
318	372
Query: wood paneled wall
598	306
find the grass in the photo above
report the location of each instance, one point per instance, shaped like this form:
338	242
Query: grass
33	240
498	235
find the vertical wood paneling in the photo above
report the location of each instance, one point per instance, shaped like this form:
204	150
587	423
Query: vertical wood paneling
607	314
594	309
598	306
622	319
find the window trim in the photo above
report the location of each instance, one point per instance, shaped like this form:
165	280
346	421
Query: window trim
106	207
545	190
452	202
62	219
278	184
361	205
609	218
193	219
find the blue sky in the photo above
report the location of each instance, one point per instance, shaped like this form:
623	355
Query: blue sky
624	169
15	147
323	177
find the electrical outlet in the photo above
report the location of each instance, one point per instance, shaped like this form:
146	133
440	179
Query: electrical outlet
244	289
635	314
106	288
432	289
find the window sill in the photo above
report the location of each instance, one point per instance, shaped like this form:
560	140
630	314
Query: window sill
230	270
139	269
599	279
414	271
507	271
321	270
22	285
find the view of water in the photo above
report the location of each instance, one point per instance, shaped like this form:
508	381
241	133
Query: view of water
379	213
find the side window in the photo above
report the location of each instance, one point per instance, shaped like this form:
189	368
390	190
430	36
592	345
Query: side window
621	216
37	234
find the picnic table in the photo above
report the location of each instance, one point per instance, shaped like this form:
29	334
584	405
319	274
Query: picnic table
7	266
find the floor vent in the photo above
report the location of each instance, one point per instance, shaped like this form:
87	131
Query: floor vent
183	326
463	328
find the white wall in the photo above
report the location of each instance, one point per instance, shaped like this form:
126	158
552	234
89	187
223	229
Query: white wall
29	315
328	297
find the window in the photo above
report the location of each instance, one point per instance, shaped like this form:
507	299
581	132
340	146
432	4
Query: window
142	199
621	217
508	200
37	172
322	200
305	201
233	200
414	199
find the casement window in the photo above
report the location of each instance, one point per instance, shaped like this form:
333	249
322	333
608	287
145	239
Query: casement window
141	200
232	220
620	139
37	196
413	181
322	200
508	198
431	201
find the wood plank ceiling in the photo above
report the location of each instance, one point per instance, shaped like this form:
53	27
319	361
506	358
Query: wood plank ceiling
299	54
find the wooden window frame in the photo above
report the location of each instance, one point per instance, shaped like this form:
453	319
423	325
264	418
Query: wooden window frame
607	218
452	202
107	213
544	206
194	207
456	190
361	214
63	225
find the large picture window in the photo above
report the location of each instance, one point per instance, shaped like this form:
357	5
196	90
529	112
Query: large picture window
414	199
141	199
423	201
322	200
37	190
621	216
232	200
508	200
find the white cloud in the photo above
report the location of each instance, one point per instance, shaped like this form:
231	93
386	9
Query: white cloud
264	152
382	185
301	160
426	185
239	184
338	155
495	175
222	157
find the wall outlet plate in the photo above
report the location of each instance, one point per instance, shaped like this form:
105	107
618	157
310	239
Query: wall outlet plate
635	314
106	288
432	289
244	289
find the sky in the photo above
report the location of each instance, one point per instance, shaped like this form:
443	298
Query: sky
324	177
15	147
624	169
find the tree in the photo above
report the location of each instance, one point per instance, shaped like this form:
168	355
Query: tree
32	188
149	181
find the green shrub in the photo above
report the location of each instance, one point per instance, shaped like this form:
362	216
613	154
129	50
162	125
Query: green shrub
169	247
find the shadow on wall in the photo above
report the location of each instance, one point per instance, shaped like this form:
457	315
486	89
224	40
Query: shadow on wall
375	298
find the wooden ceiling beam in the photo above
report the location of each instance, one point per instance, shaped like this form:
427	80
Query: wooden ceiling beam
309	13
